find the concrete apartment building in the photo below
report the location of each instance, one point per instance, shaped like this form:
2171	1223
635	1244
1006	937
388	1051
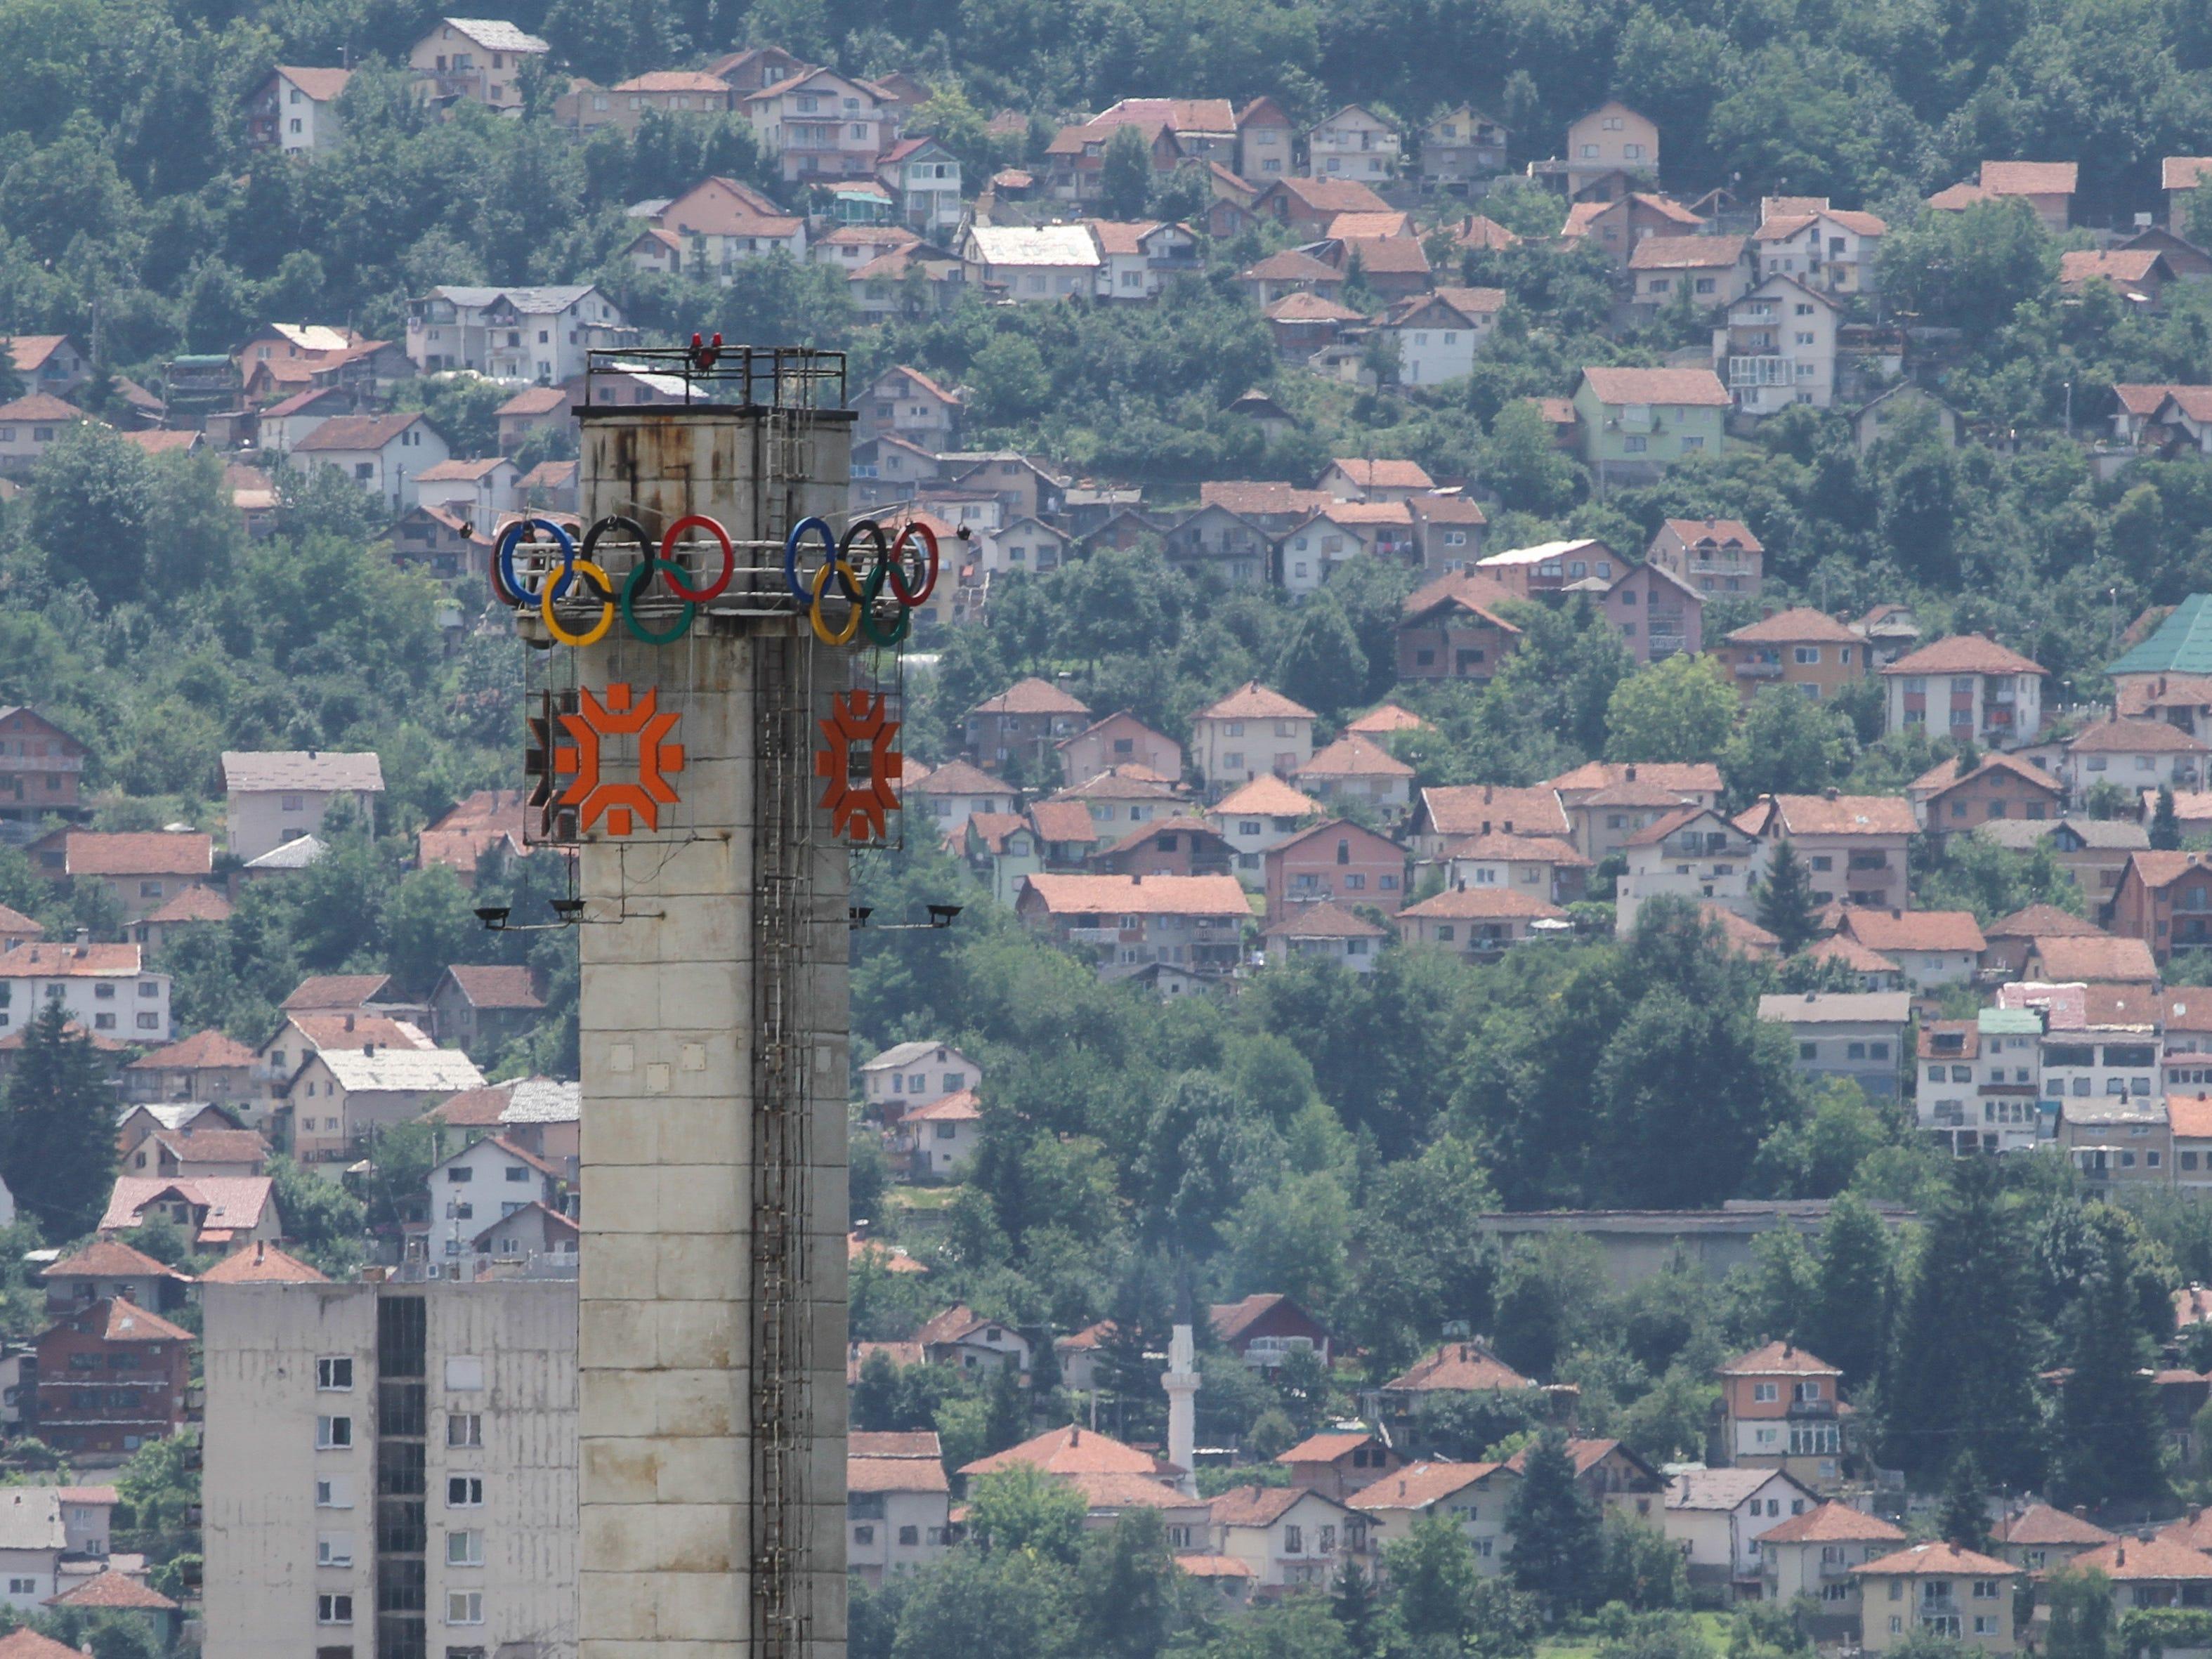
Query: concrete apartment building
391	1468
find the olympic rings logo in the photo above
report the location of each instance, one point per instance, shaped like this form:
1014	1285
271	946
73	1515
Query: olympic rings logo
905	566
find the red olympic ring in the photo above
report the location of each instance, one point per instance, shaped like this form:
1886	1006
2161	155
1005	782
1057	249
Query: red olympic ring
897	569
700	595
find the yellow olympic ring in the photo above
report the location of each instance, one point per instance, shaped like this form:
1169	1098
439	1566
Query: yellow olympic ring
605	590
814	610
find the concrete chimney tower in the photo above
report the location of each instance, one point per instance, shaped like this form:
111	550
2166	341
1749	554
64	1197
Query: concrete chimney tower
1181	1381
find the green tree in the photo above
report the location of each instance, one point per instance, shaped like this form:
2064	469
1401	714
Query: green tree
1322	665
1554	1527
1000	1604
1432	1578
1963	1332
1128	1592
2164	822
1638	1566
1786	908
57	1127
2083	1626
1125	174
430	925
1522	464
1419	1264
1357	1609
1680	709
1786	743
1023	1509
1966	1516
1847	1318
1008	378
91	498
2109	1438
1970	270
323	1222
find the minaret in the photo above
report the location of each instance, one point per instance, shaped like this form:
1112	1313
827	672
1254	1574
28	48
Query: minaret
1181	1381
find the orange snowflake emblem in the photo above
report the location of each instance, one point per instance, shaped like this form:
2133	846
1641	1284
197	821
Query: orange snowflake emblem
857	729
620	804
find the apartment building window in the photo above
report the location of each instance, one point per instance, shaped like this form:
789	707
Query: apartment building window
465	1606
335	1493
464	1428
334	1549
464	1492
334	1610
333	1433
465	1549
334	1373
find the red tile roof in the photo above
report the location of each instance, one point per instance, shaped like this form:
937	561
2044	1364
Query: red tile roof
2042	921
1471	809
1964	653
1368	474
115	1320
1481	904
1418	1486
1685	252
2092	958
894	1473
1891	931
2039	1523
1458	1367
194	903
1381	722
1676	387
496	987
1720	532
1841	815
1779	1359
206	1050
1947	1559
1065	1451
2136	738
2030	178
110	1588
1255	701
1833	1523
59	961
1149	896
27	1644
1032	697
322	993
1325	1446
1254	1506
1797	626
264	1264
138	852
2128	1560
1354	755
111	1258
1267	796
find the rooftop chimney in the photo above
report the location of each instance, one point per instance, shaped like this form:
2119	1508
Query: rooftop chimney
348	1022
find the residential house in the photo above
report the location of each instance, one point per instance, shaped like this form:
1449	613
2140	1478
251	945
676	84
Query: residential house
899	1505
1264	142
1023	490
479	59
1477	922
41	766
540	334
1539	866
207	1066
142	870
1835	250
107	1269
2002	786
1635	422
1904	407
715	228
1352	144
934	1141
1461	147
1444	815
1612	1477
1869	971
821	125
482	1009
383	454
1693	853
1453	629
1137	259
476	492
2164	899
340	1096
956	791
1265	1328
1615	224
485	1182
103	988
2093	851
1335	860
1447	530
1856	847
296	110
2011	938
1075	159
2138	756
1184	846
221	1214
1812	1555
1128	794
112	1378
1032	265
1343	530
1024	725
2155	1572
1326	933
52	363
1994	695
1438	334
1656	613
1285	1537
1355	769
2047	187
2114	1141
1453	1371
1778	346
29	426
1717	1517
2179	176
486	824
1194	922
1214	542
533	409
212	1148
1253	733
1338	1462
1258	817
1606	819
2042	1539
2139	275
1701	272
1611	138
1308	206
1781	1409
541	1116
1291	270
1478	1496
2070	958
964	1339
1936	1590
282	795
1120	740
2099	1041
907	403
1856	1035
1302	325
2186	1018
1933	948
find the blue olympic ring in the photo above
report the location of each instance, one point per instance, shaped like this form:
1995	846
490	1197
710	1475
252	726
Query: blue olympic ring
503	557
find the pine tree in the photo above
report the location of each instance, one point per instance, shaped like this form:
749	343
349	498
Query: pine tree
1965	1516
1433	1572
1353	1600
1964	1331
1785	901
1847	1316
2081	1623
1554	1526
1008	1422
57	1128
2165	823
2110	1431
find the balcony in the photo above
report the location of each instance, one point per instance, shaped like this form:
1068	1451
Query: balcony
1758	670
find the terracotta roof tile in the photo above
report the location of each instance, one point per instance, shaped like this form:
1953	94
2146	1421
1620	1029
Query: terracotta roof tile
1255	701
497	988
1843	815
111	1258
138	852
877	1474
1947	1559
1418	1486
1891	931
1698	388
1458	1367
201	1051
2117	737
110	1588
1779	1359
1070	1450
2090	958
2042	921
1354	755
1151	896
2126	1559
1685	252
2030	178
1325	1446
263	1264
1253	1506
1964	653
1471	809
2039	1523
1833	1523
1032	697
1369	474
1799	625
1064	821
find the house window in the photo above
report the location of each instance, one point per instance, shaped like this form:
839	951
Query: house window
333	1433
465	1606
464	1548
334	1494
334	1610
464	1428
334	1549
334	1374
464	1492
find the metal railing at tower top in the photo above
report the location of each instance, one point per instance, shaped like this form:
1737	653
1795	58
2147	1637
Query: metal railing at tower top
729	376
